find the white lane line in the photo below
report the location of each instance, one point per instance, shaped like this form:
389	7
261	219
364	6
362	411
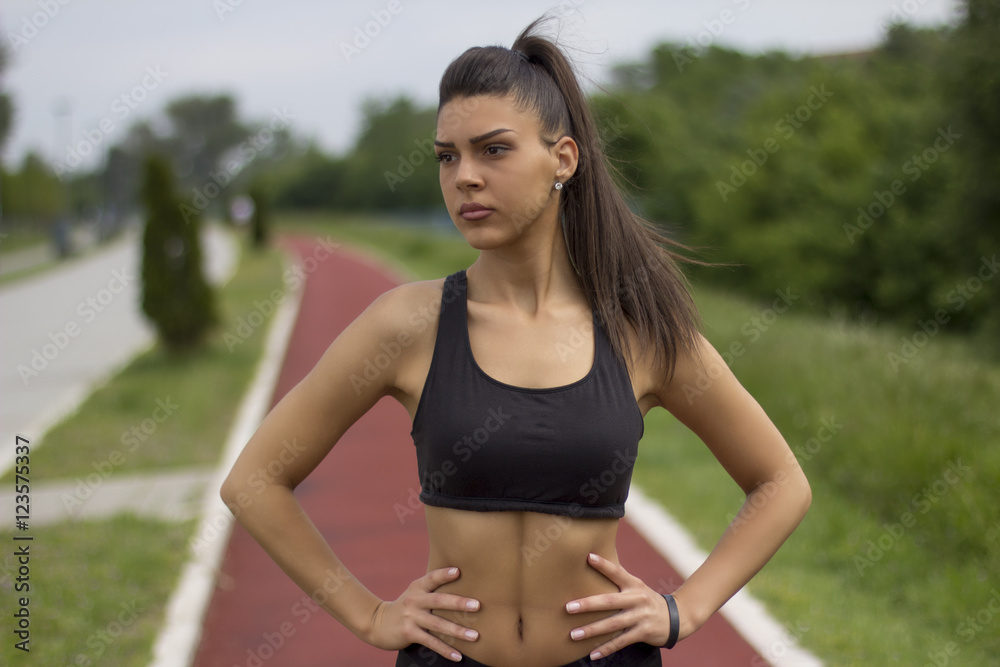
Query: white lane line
178	640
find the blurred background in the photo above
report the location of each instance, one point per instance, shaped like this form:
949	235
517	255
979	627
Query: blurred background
841	160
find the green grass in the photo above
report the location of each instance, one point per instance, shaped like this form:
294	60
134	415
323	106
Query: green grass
22	239
424	254
83	572
891	435
98	590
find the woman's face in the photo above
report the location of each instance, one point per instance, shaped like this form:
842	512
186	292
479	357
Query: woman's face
497	174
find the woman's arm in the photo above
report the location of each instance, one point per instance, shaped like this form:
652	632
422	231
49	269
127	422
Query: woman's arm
295	437
748	445
750	448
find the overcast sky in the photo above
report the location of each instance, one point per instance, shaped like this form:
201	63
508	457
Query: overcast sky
74	60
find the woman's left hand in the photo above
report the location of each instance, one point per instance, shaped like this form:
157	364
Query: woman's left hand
642	612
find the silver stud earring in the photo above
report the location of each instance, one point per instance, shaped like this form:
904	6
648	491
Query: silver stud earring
558	185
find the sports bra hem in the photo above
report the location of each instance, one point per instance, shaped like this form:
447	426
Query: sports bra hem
575	510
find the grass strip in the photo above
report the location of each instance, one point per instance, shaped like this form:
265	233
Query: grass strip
98	591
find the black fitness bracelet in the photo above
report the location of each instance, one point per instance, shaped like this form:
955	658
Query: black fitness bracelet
675	620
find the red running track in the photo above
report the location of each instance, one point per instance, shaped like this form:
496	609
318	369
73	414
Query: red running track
258	617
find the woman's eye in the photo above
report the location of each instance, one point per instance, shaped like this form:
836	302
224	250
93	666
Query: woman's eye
495	150
443	157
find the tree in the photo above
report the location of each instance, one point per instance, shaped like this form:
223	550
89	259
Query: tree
261	219
6	104
202	130
175	296
973	88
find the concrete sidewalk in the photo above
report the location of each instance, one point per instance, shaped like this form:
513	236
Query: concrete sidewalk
171	495
67	330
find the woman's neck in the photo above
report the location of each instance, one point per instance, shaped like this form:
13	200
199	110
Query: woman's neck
530	274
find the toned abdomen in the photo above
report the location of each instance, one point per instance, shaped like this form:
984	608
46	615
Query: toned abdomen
523	567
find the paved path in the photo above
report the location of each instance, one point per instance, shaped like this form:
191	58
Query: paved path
170	495
258	617
66	330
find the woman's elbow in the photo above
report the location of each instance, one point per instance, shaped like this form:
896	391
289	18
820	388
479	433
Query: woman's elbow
231	492
803	494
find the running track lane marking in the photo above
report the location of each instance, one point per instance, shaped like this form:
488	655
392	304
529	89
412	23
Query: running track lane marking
181	633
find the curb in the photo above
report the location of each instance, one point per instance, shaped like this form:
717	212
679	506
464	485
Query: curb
178	640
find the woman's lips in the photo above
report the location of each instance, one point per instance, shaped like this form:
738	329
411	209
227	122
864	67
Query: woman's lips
474	211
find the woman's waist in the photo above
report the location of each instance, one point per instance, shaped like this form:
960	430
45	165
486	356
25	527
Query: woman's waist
521	633
523	568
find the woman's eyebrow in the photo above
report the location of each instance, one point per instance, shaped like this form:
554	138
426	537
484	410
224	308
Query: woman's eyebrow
474	140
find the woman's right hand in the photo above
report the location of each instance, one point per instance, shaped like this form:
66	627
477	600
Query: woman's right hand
409	619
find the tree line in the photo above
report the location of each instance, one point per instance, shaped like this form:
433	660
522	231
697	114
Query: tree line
865	182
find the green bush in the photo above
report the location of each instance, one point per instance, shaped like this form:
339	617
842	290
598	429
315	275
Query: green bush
175	294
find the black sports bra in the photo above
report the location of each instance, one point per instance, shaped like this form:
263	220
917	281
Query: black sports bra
485	445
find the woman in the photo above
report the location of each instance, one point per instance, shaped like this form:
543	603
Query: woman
527	401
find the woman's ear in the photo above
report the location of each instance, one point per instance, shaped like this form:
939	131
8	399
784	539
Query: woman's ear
568	154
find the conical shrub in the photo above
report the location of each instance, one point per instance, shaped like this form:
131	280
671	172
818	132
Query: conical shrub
175	295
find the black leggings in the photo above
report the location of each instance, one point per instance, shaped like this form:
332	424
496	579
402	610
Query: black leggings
636	655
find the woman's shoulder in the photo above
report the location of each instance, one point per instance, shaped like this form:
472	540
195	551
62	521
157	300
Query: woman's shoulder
400	307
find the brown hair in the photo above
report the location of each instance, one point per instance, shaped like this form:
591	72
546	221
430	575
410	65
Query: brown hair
628	268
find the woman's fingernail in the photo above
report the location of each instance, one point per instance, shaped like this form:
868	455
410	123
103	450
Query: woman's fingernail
572	606
453	571
471	635
472	605
596	655
576	634
593	558
456	656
